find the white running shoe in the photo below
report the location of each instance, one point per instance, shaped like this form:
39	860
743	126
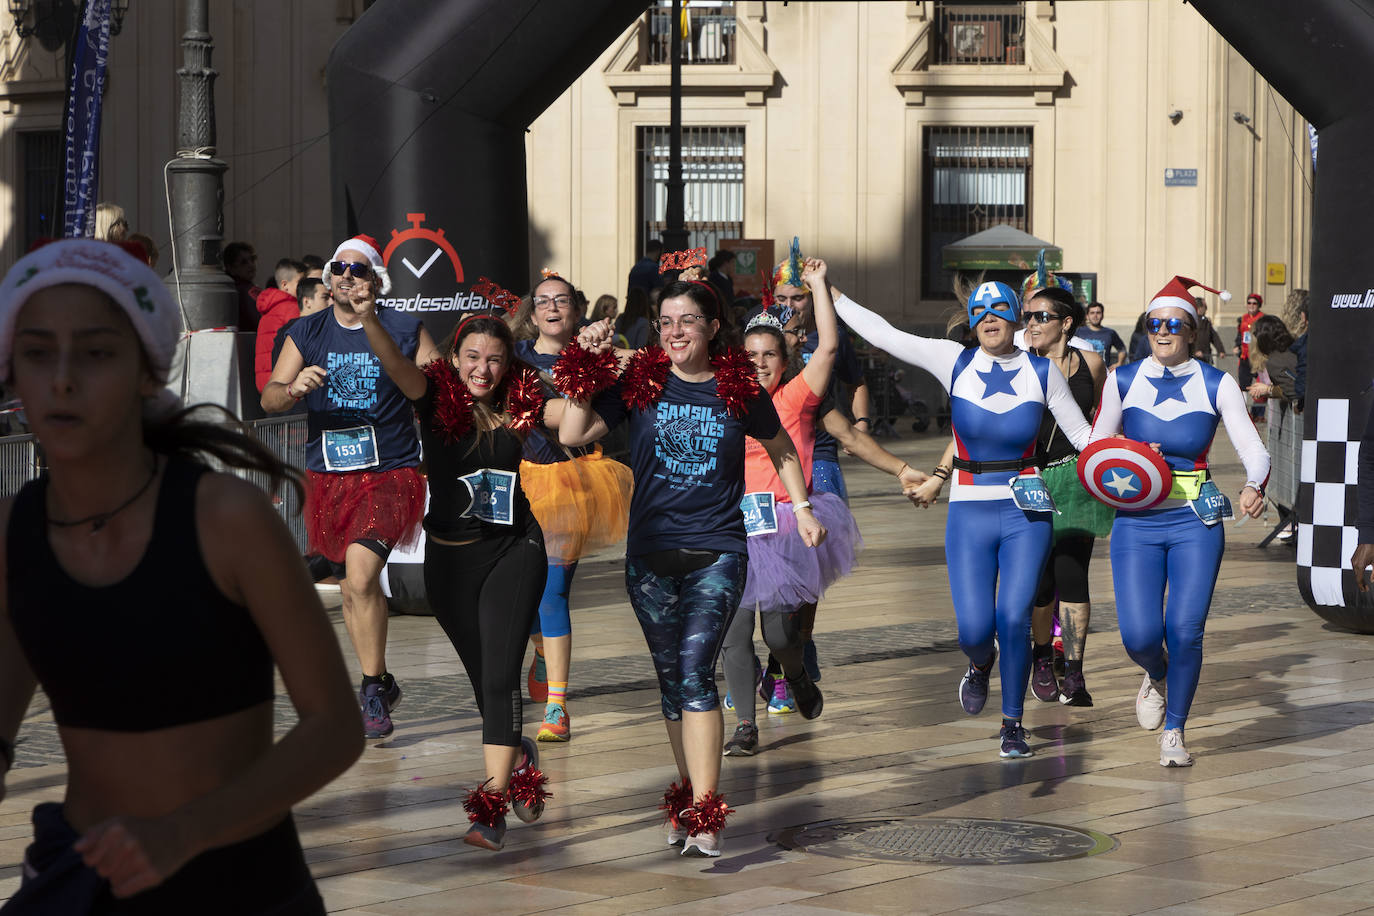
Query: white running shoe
1149	704
1172	753
702	846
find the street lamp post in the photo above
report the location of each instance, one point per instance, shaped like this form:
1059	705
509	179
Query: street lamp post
675	232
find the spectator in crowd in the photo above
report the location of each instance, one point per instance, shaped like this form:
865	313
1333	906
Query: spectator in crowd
632	327
644	274
110	224
606	307
1284	374
149	247
1207	337
1103	339
241	264
719	277
1245	372
314	266
1140	343
311	296
276	307
1295	311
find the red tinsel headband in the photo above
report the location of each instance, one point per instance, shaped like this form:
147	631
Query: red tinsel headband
681	260
503	298
458	331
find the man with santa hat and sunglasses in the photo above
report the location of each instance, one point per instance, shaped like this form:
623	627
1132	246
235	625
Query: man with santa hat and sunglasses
1172	403
364	494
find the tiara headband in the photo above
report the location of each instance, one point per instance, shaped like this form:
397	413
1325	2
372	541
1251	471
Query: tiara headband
763	320
681	260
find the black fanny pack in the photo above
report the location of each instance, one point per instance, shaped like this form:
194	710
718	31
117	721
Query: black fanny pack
677	563
986	467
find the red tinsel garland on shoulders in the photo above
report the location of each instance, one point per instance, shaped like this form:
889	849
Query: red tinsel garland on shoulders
737	381
523	399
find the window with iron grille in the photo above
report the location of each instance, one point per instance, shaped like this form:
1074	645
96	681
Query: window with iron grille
40	162
708	39
988	33
713	184
975	178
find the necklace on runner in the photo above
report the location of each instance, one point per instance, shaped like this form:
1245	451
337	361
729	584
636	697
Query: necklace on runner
99	519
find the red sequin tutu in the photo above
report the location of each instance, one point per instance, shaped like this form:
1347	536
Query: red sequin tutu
387	506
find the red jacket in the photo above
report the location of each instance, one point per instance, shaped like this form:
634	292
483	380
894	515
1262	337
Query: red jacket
276	308
1246	320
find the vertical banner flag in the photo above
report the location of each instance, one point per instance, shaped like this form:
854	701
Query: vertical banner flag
81	173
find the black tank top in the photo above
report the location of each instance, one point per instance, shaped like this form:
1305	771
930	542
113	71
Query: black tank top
1051	444
165	634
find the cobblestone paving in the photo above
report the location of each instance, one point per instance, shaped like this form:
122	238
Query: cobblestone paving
449	695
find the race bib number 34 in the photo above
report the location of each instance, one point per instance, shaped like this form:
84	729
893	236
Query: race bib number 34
493	496
760	515
349	449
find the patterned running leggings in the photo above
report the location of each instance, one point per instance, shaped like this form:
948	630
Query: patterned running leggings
684	619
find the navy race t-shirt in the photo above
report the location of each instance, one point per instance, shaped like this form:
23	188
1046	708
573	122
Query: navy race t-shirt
848	370
687	454
357	395
541	445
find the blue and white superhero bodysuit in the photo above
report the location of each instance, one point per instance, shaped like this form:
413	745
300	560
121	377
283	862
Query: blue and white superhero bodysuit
1177	407
996	404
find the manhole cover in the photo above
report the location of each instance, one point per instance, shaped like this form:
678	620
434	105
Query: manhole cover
945	840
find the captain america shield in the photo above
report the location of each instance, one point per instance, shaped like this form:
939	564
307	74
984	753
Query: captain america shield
1124	474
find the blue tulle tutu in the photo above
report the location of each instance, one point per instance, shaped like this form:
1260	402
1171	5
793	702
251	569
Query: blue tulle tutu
784	573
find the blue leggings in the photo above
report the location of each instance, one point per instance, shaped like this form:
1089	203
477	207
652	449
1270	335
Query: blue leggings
554	619
684	619
987	541
1150	549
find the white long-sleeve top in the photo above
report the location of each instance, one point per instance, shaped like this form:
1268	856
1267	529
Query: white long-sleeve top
996	402
1179	407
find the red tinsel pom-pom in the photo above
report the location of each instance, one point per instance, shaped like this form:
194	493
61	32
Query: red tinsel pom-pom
485	806
524	398
642	384
581	374
527	787
737	380
676	800
452	400
708	815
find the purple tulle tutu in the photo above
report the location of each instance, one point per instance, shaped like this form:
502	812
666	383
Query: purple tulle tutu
784	573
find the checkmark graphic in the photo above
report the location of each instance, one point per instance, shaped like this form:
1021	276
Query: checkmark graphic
420	271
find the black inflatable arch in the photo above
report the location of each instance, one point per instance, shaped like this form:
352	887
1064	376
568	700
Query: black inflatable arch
1319	54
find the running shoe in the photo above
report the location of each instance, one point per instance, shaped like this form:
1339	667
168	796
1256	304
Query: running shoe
677	834
728	703
1073	691
529	765
745	742
392	691
973	689
1149	704
493	838
538	680
702	846
767	679
781	703
1043	683
1172	753
806	695
1014	741
376	713
811	660
557	725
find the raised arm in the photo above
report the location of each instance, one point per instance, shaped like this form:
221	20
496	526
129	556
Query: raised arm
822	363
935	356
403	371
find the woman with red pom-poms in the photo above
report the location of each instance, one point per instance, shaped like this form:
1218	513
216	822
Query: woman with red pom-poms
690	400
484	552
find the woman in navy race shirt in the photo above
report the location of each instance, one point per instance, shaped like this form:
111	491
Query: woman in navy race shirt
690	402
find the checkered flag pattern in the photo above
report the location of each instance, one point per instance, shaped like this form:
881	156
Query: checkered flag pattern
1327	483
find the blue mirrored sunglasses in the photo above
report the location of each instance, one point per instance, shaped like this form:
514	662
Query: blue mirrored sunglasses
1172	325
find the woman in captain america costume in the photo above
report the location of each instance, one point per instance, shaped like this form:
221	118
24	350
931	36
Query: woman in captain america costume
998	531
1174	402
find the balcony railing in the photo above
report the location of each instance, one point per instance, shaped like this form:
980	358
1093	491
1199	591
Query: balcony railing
710	37
989	34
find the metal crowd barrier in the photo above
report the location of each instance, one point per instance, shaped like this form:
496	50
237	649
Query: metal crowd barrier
1285	464
20	462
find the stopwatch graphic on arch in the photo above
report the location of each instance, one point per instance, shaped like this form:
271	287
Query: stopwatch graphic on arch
426	258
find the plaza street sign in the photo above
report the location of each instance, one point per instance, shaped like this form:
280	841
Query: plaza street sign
1180	178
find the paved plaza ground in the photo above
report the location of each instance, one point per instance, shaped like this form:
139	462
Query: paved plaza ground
1277	815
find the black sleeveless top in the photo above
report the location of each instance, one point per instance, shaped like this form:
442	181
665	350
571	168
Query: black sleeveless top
1051	445
165	632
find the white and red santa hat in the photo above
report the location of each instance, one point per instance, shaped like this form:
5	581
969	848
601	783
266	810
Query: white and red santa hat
1175	295
366	246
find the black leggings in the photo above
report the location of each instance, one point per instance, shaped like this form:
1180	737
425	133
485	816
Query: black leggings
782	633
1066	572
485	596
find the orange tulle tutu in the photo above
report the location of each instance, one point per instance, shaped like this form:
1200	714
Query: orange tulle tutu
582	504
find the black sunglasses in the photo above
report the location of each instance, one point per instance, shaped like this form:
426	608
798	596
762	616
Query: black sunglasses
360	270
1172	325
1044	317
